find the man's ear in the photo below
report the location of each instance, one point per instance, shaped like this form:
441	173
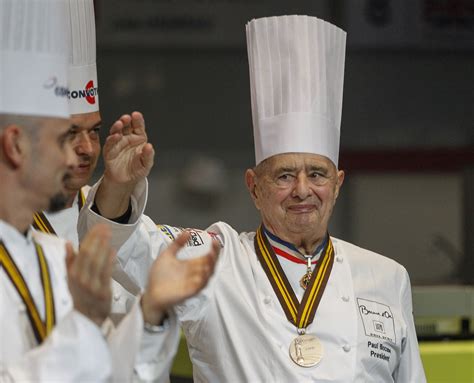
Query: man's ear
250	181
339	182
13	145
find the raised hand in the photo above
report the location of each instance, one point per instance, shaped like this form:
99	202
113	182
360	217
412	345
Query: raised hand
171	281
89	274
128	157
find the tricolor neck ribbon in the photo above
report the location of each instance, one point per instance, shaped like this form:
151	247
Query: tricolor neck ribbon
289	251
41	329
300	314
41	223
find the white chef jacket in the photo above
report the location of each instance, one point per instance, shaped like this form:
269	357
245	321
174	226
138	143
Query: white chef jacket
237	331
130	274
75	351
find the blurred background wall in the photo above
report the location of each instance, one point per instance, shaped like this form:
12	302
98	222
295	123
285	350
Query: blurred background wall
407	141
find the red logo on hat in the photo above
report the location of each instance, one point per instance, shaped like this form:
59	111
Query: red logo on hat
90	98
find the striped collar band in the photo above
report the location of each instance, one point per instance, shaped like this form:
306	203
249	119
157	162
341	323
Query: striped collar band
289	251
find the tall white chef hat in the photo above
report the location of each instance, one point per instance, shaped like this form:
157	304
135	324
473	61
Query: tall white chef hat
296	81
83	85
33	57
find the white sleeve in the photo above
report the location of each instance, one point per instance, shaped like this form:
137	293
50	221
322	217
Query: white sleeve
138	355
157	351
88	218
410	368
75	351
124	342
138	243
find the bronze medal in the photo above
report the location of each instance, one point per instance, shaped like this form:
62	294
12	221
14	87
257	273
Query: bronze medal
305	350
304	281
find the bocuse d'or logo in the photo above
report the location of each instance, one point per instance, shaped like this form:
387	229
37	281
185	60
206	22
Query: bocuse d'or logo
88	93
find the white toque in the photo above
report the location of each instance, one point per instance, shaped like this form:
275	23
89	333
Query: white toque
296	81
83	85
34	58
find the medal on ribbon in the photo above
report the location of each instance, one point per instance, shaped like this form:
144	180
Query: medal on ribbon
304	281
305	350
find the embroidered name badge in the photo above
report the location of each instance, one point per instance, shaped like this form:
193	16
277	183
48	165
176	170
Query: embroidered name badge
377	319
195	239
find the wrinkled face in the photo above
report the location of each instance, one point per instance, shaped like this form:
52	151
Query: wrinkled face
295	193
49	162
86	145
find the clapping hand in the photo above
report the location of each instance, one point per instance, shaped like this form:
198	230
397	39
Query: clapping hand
171	280
89	274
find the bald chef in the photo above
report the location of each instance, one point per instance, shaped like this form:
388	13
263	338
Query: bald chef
50	313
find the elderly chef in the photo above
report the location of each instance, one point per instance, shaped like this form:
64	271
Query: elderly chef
289	302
